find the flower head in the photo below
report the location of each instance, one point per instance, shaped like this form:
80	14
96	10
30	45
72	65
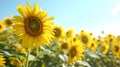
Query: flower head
8	22
2	61
105	47
75	52
59	33
2	26
85	38
33	27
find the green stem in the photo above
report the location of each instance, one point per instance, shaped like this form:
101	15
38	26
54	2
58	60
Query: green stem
37	51
27	61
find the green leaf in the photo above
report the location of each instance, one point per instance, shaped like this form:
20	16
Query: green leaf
3	43
93	55
78	63
31	57
21	54
61	57
7	53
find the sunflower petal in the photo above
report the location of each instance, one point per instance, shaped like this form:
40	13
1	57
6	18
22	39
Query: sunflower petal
35	10
22	10
29	8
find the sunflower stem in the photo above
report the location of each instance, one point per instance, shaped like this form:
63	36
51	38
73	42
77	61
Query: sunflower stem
37	50
27	61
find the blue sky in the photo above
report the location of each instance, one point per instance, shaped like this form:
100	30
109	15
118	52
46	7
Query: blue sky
90	15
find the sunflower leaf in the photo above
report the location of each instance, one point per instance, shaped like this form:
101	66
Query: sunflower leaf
31	57
91	54
78	63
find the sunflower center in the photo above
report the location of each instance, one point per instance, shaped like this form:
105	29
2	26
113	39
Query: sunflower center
92	45
57	32
103	48
110	40
84	39
116	48
110	35
33	26
73	52
68	33
64	45
0	26
8	22
74	39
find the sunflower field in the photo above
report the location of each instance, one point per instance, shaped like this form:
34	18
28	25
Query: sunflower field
32	39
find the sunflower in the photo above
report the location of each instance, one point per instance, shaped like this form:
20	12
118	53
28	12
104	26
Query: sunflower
85	38
59	33
105	48
75	38
99	40
17	63
2	26
33	28
64	46
116	49
75	52
93	45
91	34
82	31
8	22
2	61
19	48
110	38
70	33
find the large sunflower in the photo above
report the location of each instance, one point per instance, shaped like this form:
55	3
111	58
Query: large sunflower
2	26
33	27
2	61
75	52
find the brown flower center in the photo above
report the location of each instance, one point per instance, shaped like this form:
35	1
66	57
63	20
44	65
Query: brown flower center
116	48
33	26
74	39
110	40
103	48
92	45
0	26
109	35
8	22
84	39
69	33
64	45
73	52
57	32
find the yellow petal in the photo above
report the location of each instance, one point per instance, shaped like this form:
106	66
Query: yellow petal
48	19
29	7
22	10
43	15
35	10
18	18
